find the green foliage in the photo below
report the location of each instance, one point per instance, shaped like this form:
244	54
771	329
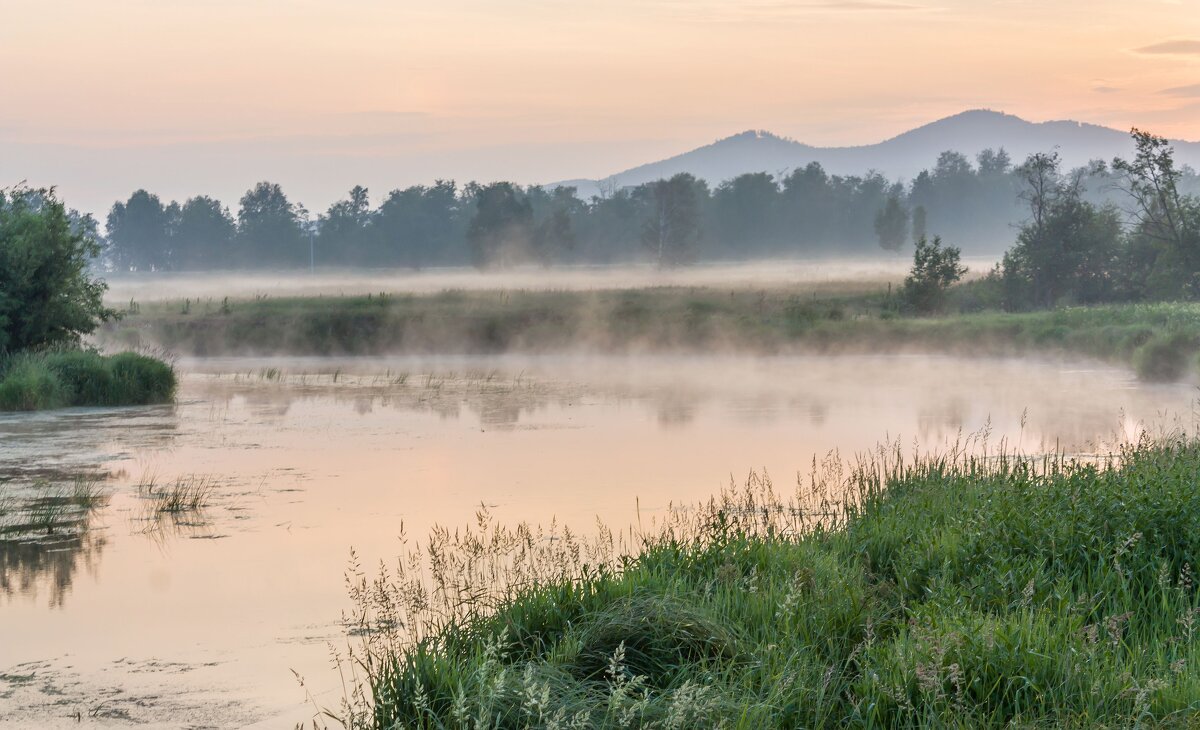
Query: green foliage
501	231
990	591
934	269
270	227
58	378
47	295
891	224
671	230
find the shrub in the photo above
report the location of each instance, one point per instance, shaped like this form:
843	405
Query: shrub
60	378
1165	358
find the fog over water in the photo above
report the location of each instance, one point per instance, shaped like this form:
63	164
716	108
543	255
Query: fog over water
200	620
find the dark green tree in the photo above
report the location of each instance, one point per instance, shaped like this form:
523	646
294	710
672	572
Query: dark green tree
554	215
1167	220
501	230
934	269
671	231
346	231
920	227
422	226
202	235
891	224
1067	249
269	229
139	233
47	293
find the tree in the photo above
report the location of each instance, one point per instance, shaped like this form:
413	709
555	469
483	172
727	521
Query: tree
672	228
934	269
919	224
138	233
891	224
1067	248
501	231
747	213
202	234
554	230
1167	221
346	229
269	228
47	294
421	225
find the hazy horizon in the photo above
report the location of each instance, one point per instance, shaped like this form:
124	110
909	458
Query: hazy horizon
211	98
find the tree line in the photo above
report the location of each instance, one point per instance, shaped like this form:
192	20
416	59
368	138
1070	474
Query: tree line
806	211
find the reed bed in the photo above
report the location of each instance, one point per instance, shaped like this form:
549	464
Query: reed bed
972	588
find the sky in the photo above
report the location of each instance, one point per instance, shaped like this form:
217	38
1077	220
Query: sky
100	97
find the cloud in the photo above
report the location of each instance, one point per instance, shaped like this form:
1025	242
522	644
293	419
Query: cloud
1185	47
1191	90
1105	89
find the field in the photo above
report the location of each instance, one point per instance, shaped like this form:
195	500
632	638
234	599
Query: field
1160	341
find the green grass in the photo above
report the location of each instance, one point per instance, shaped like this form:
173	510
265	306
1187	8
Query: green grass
951	591
1161	341
185	494
61	378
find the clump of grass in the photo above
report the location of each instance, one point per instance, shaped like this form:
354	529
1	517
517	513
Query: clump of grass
969	589
185	494
59	378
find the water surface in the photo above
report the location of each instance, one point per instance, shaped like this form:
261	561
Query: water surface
200	619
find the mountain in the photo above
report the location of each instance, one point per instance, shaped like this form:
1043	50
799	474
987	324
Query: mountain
903	156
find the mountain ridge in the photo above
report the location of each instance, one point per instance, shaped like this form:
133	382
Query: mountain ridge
901	157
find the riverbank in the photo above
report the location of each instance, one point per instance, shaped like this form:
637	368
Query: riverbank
60	378
1161	341
952	591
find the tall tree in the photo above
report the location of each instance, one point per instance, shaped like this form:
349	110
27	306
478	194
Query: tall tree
346	230
672	229
891	224
202	234
269	228
139	233
47	294
501	231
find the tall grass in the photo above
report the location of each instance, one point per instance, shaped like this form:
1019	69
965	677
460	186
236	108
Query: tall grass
59	378
956	590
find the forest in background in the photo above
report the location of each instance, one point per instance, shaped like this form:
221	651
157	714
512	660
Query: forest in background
976	204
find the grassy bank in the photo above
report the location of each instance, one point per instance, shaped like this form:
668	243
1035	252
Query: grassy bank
950	592
70	377
1161	340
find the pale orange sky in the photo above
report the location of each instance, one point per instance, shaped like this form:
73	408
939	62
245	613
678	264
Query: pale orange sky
209	96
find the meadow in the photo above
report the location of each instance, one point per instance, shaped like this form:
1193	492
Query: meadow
1160	341
977	588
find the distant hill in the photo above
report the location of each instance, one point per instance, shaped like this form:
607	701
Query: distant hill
903	156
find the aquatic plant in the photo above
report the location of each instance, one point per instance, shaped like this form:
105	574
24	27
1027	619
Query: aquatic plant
185	494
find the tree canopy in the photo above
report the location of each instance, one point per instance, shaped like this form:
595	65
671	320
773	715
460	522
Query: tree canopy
47	294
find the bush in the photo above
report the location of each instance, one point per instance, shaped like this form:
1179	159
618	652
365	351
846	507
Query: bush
63	378
934	269
1165	358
